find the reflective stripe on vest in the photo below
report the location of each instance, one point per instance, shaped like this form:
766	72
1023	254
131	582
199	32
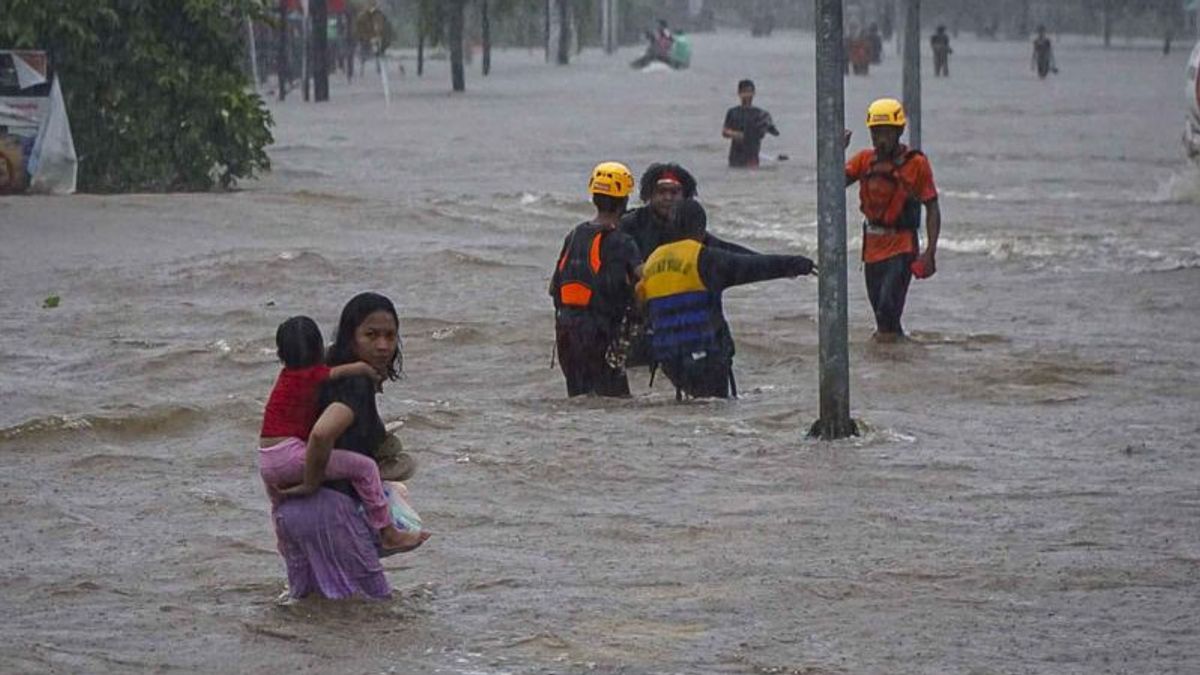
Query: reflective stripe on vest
577	277
679	302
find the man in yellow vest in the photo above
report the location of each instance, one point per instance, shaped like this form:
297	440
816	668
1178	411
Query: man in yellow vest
592	287
681	287
662	185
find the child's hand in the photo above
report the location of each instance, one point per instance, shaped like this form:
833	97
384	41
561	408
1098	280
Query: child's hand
301	490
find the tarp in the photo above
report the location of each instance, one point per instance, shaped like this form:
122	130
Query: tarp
37	152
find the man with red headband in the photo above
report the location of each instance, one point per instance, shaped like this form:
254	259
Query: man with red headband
661	187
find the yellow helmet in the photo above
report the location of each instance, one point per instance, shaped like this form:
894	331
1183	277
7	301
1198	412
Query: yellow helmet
612	179
885	112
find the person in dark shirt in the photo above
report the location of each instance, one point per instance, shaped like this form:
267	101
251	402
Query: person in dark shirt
681	288
592	287
1043	55
940	43
745	127
875	42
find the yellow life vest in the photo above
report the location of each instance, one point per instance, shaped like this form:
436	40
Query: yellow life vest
673	269
680	306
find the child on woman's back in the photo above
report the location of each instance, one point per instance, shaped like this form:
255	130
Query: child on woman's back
290	414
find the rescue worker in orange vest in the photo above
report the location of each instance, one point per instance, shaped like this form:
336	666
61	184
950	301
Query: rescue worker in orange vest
681	288
894	183
592	287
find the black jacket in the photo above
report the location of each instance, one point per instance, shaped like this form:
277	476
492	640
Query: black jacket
649	232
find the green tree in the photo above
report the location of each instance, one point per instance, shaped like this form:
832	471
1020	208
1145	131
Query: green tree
155	89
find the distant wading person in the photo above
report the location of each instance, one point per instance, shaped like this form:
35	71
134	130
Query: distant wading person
894	183
592	288
745	126
1043	55
940	43
326	543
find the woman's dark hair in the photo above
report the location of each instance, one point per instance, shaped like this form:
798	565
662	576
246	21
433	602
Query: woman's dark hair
353	314
689	220
655	171
298	343
610	204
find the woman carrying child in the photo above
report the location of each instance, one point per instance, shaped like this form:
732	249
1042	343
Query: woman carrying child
326	545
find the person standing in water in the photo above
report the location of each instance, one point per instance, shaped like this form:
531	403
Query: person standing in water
940	42
681	290
592	286
895	182
745	126
1043	55
662	186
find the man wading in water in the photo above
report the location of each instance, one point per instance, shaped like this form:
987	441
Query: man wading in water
745	126
682	288
894	182
592	287
662	186
1043	55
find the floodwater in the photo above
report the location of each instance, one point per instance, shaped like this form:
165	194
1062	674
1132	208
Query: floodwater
1024	499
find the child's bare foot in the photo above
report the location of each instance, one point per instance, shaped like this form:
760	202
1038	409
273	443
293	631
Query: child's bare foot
392	539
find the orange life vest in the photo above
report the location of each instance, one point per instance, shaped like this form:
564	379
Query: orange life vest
579	266
885	199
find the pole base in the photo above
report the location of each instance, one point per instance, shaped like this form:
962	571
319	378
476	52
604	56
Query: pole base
832	430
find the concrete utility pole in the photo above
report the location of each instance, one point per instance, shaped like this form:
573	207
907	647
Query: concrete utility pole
253	53
320	43
282	60
835	419
608	26
912	70
546	27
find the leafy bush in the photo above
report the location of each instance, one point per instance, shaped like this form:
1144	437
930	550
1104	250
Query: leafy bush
155	89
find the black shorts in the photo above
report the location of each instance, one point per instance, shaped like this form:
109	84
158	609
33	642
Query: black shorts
583	344
708	377
887	287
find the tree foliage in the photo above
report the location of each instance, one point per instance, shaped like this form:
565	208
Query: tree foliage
155	89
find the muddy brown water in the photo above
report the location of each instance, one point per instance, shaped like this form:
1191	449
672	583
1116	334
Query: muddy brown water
1024	499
